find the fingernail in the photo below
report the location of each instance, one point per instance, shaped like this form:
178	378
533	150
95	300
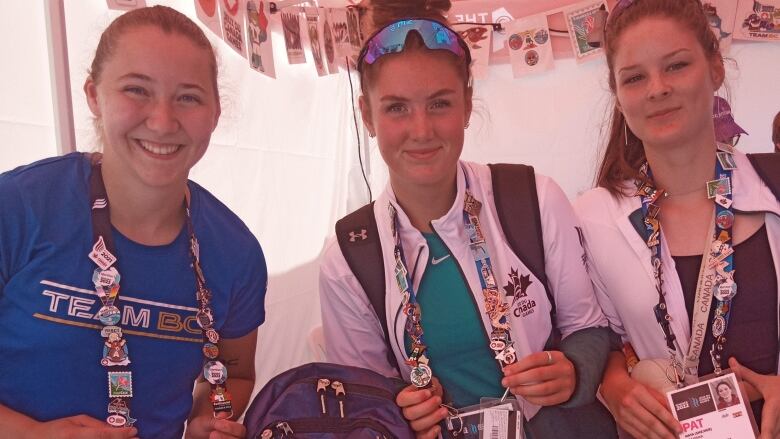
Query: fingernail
504	383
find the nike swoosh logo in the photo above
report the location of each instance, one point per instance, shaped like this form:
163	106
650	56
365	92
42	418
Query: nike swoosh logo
435	261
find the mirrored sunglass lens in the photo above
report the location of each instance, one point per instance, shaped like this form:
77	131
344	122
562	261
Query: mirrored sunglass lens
392	38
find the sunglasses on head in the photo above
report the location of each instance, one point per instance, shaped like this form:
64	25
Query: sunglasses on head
391	39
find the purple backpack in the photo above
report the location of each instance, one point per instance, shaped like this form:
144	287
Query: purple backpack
327	401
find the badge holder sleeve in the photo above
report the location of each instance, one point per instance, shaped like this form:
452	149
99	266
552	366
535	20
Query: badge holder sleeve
709	381
491	418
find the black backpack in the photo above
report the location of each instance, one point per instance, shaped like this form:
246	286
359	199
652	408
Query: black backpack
517	205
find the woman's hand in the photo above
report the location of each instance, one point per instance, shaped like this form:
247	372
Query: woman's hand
768	386
210	427
640	410
422	408
80	427
542	378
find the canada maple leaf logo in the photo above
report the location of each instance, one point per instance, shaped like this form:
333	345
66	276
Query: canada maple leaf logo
517	286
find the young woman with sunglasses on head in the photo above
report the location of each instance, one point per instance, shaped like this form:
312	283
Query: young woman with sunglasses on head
82	358
447	263
676	224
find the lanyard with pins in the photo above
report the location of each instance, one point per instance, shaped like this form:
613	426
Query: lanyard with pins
106	277
718	257
495	306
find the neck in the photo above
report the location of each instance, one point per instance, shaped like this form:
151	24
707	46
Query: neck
425	204
683	170
144	214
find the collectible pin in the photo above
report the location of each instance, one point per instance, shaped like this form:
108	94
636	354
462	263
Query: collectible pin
120	384
718	326
497	344
119	406
203	295
215	372
115	351
471	231
400	275
210	351
726	291
507	356
421	375
646	189
105	278
212	335
726	148
723	201
109	315
221	400
721	186
107	330
726	160
195	247
479	250
204	318
471	205
116	420
652	210
725	219
101	256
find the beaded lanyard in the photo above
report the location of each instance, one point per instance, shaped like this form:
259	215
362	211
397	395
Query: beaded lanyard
106	279
495	307
719	256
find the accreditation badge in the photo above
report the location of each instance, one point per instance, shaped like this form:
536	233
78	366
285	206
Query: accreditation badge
714	408
492	418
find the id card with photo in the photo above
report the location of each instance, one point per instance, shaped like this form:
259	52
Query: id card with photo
714	408
491	419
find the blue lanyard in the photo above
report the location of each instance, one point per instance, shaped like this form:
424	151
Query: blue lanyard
719	256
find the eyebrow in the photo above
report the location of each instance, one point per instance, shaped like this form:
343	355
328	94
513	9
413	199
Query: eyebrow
146	78
442	92
667	56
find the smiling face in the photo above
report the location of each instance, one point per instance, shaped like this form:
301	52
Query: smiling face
665	83
724	391
417	106
156	105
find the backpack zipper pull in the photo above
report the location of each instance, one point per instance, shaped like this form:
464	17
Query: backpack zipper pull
341	394
322	387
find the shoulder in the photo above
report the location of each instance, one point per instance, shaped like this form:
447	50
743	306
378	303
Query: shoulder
597	204
333	264
47	172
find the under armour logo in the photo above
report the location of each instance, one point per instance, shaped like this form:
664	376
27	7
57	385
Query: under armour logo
100	203
363	235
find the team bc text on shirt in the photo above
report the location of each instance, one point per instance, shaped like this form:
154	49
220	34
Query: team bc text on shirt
466	301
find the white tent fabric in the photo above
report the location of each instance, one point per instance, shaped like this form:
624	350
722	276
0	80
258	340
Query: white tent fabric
284	156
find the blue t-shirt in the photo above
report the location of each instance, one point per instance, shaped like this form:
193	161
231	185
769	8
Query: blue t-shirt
50	341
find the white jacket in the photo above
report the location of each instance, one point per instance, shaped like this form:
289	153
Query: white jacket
353	334
619	261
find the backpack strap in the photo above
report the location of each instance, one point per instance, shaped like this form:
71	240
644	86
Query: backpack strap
767	166
517	206
358	238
